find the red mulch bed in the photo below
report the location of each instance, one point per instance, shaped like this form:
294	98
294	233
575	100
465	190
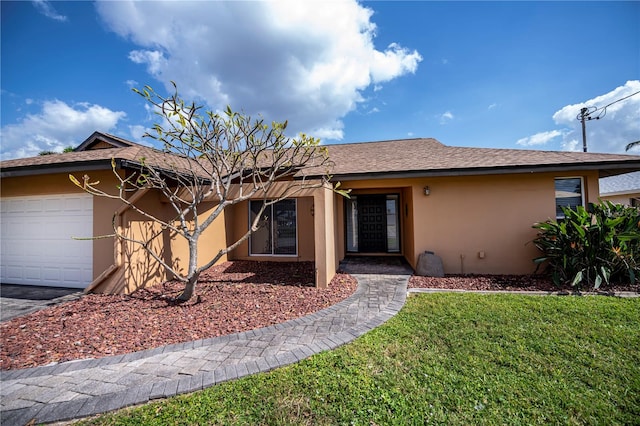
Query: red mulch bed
500	282
232	297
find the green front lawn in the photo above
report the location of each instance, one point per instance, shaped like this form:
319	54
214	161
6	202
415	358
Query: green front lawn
446	359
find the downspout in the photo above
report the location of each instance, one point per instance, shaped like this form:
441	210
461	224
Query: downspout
118	244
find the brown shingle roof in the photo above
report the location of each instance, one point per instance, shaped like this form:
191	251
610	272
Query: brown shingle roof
99	159
424	156
395	158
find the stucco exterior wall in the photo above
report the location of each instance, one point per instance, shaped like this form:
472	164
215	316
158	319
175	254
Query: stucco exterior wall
325	240
138	270
624	199
141	270
60	184
238	224
476	224
316	211
407	227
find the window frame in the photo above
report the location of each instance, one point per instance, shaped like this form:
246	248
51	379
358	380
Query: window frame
555	198
271	218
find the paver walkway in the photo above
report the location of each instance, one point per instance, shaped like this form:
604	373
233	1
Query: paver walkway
82	388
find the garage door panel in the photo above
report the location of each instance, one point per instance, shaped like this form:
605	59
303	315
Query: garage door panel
32	273
14	272
51	274
37	240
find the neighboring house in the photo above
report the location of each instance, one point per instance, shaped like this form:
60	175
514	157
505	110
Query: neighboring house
474	207
622	189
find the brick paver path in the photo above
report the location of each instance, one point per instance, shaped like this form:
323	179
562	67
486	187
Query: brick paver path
83	388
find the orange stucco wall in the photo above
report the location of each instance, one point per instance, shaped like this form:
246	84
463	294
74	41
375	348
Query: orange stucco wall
316	234
407	227
60	184
325	240
238	224
476	224
139	269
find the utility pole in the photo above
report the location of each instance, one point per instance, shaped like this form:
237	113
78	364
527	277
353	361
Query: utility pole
583	115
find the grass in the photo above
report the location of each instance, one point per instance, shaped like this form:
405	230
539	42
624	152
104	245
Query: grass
453	359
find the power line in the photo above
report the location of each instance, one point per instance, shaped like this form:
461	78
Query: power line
586	112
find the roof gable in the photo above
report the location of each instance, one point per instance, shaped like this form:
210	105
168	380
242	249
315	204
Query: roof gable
99	140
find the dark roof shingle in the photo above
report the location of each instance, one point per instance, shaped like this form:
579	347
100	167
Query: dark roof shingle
429	155
130	156
392	158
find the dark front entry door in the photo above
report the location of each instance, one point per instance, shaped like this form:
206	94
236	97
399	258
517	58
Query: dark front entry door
372	220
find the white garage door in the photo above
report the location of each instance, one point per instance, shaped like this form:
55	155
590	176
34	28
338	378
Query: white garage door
37	245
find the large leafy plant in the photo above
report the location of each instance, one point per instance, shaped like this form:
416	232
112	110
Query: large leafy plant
592	247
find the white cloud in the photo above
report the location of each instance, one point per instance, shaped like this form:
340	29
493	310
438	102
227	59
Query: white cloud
571	145
492	106
137	132
305	62
47	10
445	117
541	138
154	60
56	126
618	126
619	123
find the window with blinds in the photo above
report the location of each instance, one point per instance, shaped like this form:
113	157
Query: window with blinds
569	193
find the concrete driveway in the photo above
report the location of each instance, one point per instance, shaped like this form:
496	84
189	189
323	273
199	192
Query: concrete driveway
16	300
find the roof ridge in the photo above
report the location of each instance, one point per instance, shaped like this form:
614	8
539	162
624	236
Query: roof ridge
382	141
573	155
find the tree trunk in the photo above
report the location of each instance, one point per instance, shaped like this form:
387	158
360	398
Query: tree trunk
190	286
189	289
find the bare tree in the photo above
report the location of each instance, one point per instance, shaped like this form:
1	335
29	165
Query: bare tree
225	157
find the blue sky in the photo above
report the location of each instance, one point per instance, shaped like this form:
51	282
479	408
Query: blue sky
483	74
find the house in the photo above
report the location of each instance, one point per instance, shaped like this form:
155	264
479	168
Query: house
622	189
474	207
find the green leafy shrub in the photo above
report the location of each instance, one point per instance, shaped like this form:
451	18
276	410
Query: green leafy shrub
591	247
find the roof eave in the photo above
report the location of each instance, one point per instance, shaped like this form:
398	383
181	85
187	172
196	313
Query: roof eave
43	169
616	193
170	173
605	169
